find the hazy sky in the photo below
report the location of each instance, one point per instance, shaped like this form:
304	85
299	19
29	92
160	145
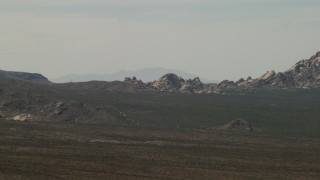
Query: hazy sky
216	39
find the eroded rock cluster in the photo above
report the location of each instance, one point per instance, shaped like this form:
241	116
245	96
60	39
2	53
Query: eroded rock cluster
40	108
170	83
304	74
173	83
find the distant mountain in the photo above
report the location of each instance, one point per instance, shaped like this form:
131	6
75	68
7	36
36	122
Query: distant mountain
146	75
24	76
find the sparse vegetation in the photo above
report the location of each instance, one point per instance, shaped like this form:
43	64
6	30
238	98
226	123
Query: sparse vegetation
38	150
101	134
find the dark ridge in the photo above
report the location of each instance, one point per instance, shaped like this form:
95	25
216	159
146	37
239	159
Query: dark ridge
24	76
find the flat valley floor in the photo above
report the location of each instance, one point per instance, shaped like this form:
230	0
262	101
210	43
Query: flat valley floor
45	150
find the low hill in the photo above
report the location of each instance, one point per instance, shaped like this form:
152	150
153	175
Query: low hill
25	76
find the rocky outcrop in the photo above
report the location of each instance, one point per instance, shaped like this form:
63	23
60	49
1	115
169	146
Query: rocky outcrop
192	86
168	83
137	83
30	107
226	84
23	117
173	83
304	74
237	125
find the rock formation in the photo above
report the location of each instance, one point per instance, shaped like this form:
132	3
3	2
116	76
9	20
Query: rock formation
173	83
22	117
304	74
168	83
